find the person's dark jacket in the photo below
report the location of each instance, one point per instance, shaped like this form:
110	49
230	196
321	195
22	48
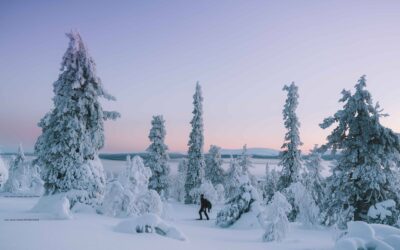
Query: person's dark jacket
205	204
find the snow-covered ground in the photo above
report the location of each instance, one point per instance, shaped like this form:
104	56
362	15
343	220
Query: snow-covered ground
88	230
20	229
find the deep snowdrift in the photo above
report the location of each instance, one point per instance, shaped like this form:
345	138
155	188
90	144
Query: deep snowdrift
149	223
55	206
361	235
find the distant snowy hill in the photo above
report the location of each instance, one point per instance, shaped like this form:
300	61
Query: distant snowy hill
251	151
226	153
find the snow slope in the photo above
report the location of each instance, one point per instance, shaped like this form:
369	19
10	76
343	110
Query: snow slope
90	231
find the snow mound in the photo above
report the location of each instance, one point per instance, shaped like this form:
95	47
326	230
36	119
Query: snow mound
382	231
57	206
247	221
357	229
149	223
369	236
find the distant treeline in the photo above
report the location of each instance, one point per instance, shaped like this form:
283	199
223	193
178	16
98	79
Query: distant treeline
122	156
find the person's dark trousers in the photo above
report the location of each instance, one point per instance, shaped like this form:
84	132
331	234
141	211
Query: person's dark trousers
205	212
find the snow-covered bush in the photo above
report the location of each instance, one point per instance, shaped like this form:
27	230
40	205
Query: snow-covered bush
214	171
244	161
177	182
208	190
277	224
23	176
157	159
312	178
242	203
3	173
269	184
73	130
308	211
383	212
232	179
129	195
149	223
220	193
361	235
196	163
149	202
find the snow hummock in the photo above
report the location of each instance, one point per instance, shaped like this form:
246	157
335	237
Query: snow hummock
361	235
149	223
57	206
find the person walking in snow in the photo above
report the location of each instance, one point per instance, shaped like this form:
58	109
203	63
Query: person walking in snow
204	205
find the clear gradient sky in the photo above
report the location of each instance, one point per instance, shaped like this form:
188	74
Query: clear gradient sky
150	54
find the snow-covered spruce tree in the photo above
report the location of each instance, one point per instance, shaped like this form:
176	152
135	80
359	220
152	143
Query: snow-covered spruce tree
313	180
157	159
369	153
129	194
277	224
290	156
239	204
73	131
178	182
23	176
232	179
245	161
196	163
268	185
213	170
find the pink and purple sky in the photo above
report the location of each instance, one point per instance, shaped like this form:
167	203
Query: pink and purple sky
150	54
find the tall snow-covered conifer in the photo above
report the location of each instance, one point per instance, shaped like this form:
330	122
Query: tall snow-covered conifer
290	156
73	131
196	163
213	170
157	159
369	153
